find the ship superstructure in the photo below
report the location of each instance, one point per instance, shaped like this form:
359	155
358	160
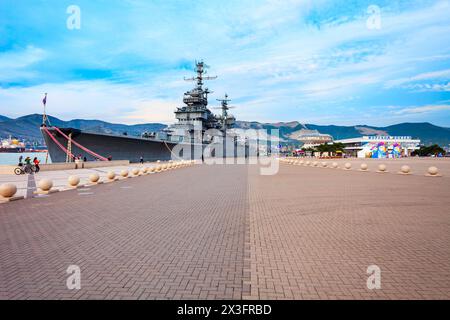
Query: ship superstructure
194	121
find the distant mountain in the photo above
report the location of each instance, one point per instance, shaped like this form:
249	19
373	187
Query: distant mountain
426	132
27	127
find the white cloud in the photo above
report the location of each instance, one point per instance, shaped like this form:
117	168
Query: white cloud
435	75
423	109
88	100
14	64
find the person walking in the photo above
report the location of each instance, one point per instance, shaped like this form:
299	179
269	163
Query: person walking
141	160
20	161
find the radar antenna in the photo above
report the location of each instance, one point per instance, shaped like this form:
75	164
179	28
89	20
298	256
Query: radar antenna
226	119
200	69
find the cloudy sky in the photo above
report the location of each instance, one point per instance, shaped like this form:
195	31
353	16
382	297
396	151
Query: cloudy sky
375	62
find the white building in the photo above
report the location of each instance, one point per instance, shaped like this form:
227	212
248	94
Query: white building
313	138
380	146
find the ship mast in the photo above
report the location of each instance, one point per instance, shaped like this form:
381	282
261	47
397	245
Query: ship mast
200	69
225	108
195	114
198	96
44	114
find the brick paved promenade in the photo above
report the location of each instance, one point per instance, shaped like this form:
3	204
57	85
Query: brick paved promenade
226	232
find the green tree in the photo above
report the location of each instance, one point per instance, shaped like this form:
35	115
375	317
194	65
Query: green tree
426	151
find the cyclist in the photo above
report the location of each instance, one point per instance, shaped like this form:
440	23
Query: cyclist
27	164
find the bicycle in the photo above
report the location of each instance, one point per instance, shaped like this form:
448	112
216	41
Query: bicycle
27	169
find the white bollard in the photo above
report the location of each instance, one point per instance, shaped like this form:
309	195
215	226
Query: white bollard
364	166
94	177
433	172
405	170
111	175
334	165
73	181
324	164
348	166
124	173
135	171
45	187
8	190
45	184
382	168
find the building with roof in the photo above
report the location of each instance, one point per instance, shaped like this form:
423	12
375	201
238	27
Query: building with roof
313	138
380	146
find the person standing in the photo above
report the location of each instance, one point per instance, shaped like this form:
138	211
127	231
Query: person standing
36	164
141	160
20	161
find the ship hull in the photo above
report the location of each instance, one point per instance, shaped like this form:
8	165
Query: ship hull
12	150
114	146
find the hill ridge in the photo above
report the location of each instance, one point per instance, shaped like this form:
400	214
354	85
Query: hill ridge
27	127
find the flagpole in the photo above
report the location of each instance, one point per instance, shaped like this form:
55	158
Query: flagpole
44	115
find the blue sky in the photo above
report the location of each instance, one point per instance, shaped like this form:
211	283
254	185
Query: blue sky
279	60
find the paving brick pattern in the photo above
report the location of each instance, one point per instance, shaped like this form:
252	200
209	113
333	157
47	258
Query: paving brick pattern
162	236
314	232
225	232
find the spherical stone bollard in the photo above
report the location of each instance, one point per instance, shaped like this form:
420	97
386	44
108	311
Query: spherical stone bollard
135	171
315	163
334	165
45	184
364	166
301	162
111	175
324	164
144	170
8	190
433	172
73	181
382	168
348	166
158	161
405	170
124	173
94	178
307	163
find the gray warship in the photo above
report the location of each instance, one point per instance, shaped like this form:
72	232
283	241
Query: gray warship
186	139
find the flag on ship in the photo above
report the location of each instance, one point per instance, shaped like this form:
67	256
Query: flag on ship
44	101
